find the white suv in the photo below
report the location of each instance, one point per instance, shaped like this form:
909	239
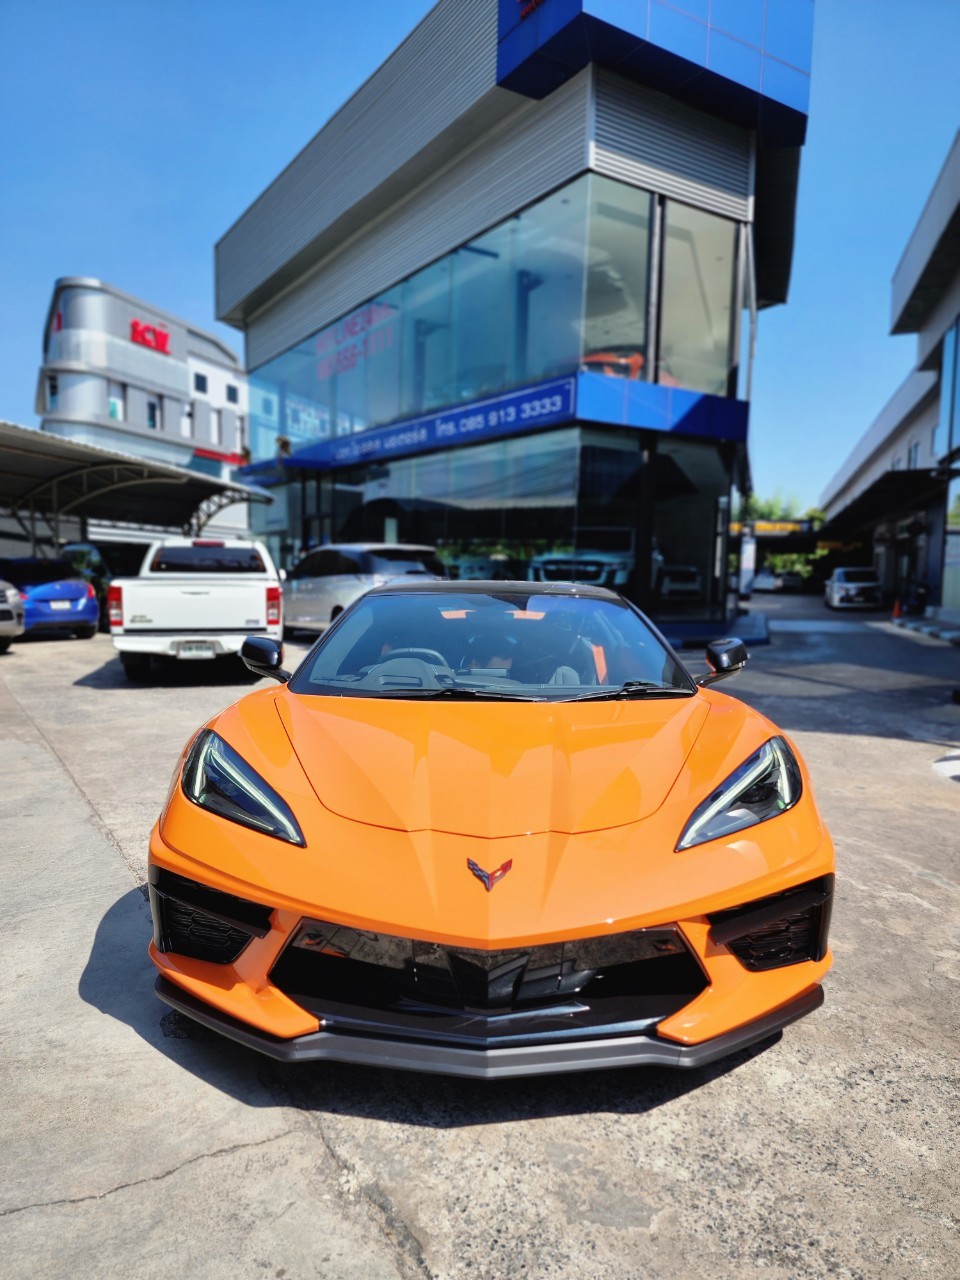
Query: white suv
325	581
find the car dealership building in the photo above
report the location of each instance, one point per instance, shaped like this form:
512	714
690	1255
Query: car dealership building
504	301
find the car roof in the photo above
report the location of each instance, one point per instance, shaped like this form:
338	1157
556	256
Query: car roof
372	546
477	586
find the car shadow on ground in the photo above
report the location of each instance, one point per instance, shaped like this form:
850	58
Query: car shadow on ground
118	980
171	674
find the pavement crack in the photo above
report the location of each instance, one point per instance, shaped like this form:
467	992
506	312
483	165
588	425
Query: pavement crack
142	1182
99	818
407	1246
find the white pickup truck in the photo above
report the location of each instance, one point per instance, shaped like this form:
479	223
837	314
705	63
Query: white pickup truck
194	598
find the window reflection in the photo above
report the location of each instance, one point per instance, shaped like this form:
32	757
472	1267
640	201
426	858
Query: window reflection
615	315
699	256
561	285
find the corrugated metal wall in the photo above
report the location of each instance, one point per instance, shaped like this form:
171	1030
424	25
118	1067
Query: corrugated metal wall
540	146
446	65
653	141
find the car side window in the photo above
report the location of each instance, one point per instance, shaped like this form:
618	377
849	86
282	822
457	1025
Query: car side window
306	568
326	564
348	564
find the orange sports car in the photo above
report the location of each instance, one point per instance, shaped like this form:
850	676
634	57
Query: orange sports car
491	829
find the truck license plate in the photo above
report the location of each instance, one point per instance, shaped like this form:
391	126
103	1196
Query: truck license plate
195	649
59	604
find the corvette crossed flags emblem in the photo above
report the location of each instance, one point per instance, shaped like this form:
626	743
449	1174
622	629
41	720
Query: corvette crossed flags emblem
489	878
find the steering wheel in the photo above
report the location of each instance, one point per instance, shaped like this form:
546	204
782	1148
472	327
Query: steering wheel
428	655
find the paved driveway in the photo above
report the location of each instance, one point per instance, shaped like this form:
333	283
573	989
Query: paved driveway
136	1144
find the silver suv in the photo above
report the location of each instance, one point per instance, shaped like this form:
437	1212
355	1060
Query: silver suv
323	582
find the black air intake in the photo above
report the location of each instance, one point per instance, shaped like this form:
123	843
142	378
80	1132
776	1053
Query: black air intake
191	919
783	929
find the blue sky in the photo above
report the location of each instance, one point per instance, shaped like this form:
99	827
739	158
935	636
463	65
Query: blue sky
133	133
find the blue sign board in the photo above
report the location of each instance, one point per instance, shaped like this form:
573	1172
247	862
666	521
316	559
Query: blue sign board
546	404
593	398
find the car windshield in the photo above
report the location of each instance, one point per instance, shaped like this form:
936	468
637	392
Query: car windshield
402	560
36	573
857	575
515	645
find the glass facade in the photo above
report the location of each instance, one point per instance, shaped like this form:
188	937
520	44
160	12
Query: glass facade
598	277
951	550
560	286
947	438
642	513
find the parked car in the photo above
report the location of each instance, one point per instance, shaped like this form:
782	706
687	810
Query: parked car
194	598
791	581
56	598
11	615
491	831
766	580
324	582
852	588
497	567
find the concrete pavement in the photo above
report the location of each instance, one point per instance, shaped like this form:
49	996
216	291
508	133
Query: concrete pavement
136	1143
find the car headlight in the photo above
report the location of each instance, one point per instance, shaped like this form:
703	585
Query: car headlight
13	595
766	784
215	777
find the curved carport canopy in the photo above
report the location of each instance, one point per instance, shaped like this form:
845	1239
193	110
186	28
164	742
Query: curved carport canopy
44	478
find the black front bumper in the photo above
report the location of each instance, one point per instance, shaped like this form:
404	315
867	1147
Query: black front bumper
490	1064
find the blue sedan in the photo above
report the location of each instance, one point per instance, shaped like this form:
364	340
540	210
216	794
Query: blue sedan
56	597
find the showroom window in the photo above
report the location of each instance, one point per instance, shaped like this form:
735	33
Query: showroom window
615	312
233	394
153	415
696	329
53	391
948	430
951	550
562	285
200	383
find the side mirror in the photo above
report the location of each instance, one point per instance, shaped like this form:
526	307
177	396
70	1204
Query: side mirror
724	658
263	656
283	574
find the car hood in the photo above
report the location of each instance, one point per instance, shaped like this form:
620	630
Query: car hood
491	770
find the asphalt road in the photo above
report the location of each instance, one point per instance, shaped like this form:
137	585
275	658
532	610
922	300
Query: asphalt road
136	1144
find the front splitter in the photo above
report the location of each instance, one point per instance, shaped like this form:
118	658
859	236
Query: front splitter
490	1064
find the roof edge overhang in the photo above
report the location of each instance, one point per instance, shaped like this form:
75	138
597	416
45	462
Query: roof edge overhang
932	256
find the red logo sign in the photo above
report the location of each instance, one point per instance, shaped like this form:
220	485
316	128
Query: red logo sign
150	335
527	7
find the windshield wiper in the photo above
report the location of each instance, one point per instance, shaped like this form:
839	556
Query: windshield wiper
455	693
635	689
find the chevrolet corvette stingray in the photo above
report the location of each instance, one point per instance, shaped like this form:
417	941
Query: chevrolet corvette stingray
491	829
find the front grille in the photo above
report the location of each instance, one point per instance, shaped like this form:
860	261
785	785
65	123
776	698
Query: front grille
192	919
779	930
573	571
377	982
6	615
